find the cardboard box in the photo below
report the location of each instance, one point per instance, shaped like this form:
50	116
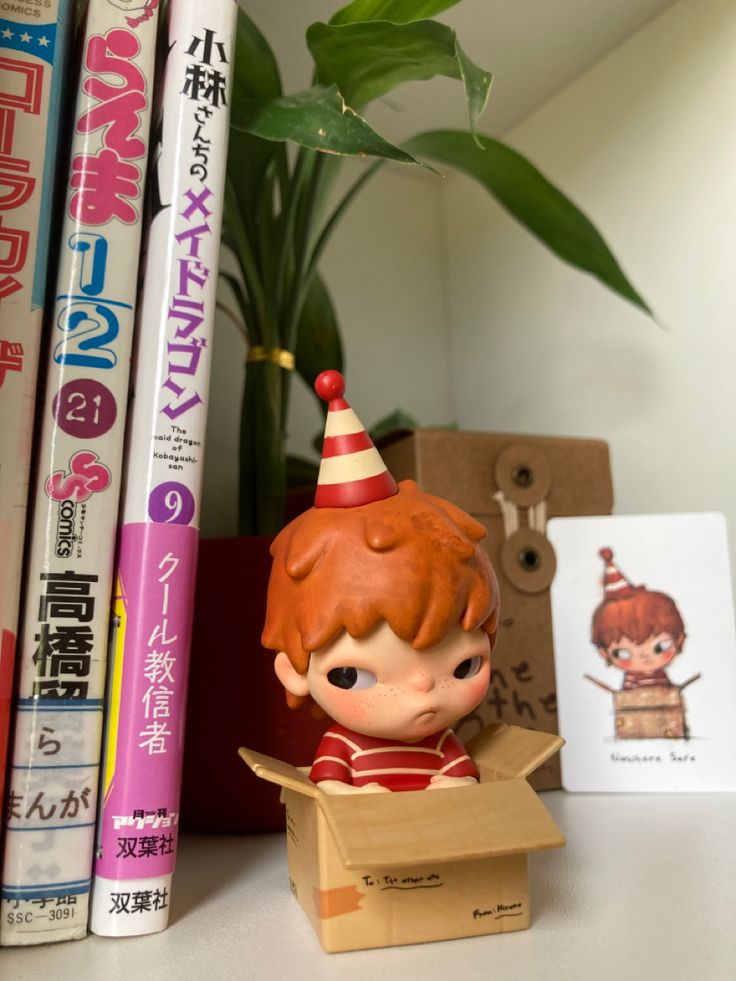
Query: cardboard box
650	713
539	478
377	870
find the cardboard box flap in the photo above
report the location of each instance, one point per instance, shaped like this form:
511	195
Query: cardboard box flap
436	826
504	752
275	771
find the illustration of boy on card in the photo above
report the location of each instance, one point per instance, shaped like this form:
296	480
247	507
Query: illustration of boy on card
640	631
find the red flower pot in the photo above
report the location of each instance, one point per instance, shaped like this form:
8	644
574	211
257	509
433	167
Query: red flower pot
235	698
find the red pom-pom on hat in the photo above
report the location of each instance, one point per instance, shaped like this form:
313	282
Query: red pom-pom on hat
329	385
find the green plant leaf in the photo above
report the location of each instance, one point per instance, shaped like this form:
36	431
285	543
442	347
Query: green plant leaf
367	60
256	68
256	76
397	11
319	120
318	346
398	419
240	297
235	234
532	200
301	472
247	161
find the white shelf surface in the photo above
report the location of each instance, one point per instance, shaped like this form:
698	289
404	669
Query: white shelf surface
645	889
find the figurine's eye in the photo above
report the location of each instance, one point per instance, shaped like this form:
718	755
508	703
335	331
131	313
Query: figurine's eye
469	667
663	645
352	679
621	654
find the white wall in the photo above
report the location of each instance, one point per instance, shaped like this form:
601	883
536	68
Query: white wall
645	143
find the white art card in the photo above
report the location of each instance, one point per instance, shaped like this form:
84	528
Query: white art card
645	653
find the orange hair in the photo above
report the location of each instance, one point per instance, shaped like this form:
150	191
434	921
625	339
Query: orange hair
412	560
644	614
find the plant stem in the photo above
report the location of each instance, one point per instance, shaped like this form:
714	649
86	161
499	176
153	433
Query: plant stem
231	316
246	311
300	282
264	232
301	245
282	172
244	254
262	451
288	218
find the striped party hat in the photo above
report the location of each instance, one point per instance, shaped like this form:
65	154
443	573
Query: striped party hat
352	472
615	584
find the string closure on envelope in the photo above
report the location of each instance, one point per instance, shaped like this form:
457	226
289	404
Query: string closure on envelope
536	515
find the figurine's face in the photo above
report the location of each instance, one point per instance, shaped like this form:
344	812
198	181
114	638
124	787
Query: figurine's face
380	686
653	654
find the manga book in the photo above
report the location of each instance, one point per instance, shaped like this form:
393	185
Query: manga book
33	52
64	624
155	574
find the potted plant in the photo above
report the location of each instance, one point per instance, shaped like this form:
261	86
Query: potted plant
281	208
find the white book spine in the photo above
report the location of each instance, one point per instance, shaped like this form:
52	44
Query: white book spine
53	788
159	537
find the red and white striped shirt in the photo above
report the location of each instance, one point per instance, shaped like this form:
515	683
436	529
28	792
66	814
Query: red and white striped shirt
352	758
644	679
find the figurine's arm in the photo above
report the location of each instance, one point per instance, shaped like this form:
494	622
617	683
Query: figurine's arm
439	781
338	787
457	767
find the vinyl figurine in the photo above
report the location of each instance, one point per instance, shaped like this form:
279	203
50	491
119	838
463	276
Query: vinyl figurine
383	609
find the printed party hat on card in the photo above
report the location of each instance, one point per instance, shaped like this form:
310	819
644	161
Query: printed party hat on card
352	472
615	584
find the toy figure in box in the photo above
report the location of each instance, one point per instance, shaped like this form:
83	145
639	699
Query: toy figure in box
636	629
383	609
640	631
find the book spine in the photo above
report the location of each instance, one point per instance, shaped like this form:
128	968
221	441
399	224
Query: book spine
33	51
64	627
159	539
